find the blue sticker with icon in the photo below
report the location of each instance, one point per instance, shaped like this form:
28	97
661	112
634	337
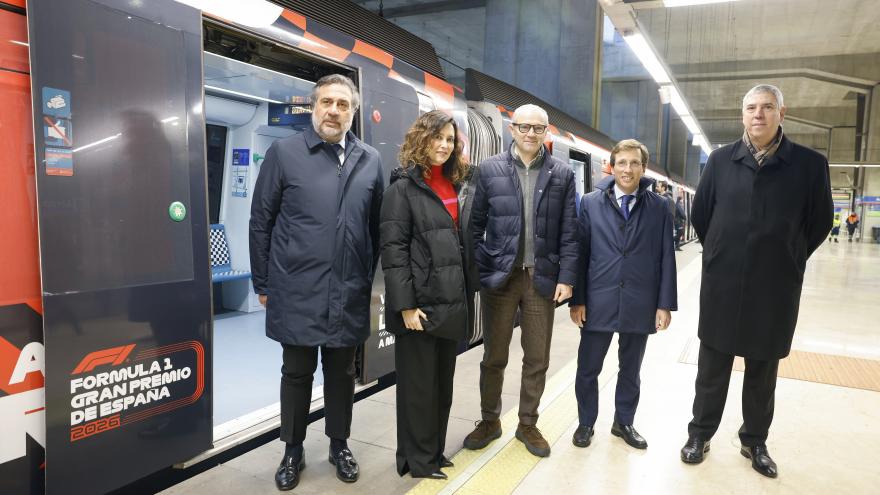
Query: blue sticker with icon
56	102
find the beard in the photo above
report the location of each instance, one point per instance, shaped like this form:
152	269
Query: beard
328	133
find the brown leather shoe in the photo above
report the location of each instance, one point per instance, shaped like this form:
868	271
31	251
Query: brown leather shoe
531	436
486	431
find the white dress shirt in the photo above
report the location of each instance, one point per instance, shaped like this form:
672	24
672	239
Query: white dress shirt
619	194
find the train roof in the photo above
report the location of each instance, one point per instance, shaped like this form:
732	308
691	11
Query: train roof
362	24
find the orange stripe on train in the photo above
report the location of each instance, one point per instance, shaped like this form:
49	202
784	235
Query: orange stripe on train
373	53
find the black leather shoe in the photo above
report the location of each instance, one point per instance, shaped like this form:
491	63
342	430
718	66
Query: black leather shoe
761	461
694	450
582	436
287	476
436	475
346	466
629	435
446	463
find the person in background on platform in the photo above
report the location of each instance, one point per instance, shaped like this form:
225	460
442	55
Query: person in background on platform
430	281
679	220
314	246
835	228
626	285
662	189
525	245
852	223
762	207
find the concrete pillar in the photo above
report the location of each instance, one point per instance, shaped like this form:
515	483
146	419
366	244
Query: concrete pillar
630	109
873	141
546	47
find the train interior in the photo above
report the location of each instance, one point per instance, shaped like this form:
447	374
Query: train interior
255	93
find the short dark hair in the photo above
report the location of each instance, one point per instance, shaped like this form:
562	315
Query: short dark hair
630	145
338	79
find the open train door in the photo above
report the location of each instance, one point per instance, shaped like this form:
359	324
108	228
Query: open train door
120	165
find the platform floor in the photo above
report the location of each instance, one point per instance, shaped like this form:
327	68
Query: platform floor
825	438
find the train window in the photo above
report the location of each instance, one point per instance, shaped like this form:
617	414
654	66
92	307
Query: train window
215	141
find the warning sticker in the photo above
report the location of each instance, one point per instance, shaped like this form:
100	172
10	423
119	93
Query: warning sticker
59	161
57	131
56	102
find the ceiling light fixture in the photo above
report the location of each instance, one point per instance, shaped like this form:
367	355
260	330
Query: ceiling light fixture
244	95
687	3
645	53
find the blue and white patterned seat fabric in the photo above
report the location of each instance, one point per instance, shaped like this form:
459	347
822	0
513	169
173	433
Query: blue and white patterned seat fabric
221	261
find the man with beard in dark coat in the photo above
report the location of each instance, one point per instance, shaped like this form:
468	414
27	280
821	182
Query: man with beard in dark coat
314	235
762	207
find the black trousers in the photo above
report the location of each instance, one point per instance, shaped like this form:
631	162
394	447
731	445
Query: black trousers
758	394
591	355
297	374
425	369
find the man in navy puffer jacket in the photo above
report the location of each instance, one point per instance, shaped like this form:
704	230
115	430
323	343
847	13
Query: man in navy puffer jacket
525	245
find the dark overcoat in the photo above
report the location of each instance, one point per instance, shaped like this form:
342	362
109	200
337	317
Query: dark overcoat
497	219
627	267
423	258
758	226
314	239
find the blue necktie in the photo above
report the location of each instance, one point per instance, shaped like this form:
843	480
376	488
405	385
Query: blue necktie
624	205
337	150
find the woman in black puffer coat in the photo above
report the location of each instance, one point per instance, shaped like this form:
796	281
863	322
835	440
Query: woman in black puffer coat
430	281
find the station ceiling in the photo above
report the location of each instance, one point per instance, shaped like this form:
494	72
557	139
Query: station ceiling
825	56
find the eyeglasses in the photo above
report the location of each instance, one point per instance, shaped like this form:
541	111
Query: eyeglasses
524	128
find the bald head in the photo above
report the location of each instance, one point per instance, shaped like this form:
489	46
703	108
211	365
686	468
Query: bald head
529	128
530	112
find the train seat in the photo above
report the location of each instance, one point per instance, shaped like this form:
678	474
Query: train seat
221	260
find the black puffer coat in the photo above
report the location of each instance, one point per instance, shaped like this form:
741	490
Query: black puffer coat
498	216
423	258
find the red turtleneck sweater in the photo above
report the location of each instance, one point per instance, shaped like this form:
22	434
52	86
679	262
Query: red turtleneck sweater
444	189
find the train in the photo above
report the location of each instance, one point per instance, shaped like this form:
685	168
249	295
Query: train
134	133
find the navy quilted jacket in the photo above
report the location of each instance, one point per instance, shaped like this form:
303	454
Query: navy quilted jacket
497	217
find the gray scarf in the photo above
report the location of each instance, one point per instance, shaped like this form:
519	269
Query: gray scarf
761	156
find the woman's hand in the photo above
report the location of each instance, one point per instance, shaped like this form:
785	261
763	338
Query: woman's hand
412	319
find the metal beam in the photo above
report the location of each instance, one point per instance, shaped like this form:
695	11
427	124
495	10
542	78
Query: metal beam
858	71
432	8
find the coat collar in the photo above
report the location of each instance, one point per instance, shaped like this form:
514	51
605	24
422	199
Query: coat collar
784	153
313	140
607	185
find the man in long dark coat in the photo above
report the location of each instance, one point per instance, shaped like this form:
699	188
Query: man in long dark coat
762	207
314	235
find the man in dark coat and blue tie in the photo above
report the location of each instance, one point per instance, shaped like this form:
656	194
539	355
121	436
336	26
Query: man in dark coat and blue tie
314	235
626	285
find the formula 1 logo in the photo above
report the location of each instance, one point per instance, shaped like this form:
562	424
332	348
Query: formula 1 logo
113	356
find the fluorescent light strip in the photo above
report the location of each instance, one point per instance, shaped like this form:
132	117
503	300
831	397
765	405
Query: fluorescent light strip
855	165
245	95
691	124
677	102
639	45
686	3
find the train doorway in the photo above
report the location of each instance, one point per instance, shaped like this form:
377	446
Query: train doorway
256	92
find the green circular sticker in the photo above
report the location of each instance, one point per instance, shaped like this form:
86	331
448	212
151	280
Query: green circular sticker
177	211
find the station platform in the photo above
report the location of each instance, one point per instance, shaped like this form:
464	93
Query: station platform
824	436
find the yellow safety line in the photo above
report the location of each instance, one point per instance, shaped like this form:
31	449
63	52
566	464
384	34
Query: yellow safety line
507	469
465	458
